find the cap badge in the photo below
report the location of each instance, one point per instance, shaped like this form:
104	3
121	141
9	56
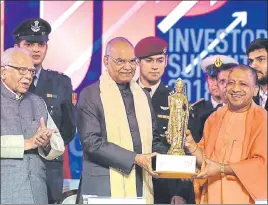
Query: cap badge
165	50
218	62
35	27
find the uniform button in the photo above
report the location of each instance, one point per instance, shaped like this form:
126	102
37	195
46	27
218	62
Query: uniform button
135	148
131	130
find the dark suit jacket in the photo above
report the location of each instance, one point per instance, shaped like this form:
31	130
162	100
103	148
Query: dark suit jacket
98	154
198	117
56	90
257	101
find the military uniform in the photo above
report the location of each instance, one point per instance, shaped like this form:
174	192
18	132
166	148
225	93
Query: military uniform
164	189
195	124
56	90
202	109
160	105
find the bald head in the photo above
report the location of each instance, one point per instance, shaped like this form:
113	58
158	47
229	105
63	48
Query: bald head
116	42
252	71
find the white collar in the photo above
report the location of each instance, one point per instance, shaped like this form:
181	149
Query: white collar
262	93
214	102
154	87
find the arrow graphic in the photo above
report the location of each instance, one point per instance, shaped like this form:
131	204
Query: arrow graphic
177	13
241	17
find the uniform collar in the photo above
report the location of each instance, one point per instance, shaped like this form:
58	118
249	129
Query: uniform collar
38	73
154	87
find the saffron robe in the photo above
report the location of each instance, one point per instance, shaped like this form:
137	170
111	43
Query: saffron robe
246	138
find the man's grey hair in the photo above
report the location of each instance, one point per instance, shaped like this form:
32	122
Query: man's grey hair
116	39
7	55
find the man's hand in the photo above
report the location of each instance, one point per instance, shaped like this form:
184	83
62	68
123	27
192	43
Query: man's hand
45	133
34	142
145	162
177	200
41	137
211	169
189	143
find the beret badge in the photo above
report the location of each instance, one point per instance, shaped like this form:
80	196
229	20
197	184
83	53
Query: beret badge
165	50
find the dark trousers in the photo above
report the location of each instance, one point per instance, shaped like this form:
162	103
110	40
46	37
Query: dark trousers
54	180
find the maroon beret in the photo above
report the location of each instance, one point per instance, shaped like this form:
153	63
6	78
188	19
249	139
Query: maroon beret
150	46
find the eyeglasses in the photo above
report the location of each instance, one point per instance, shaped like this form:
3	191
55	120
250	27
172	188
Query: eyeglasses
23	70
121	62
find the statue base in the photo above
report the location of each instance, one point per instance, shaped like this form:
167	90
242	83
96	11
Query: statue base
175	166
176	151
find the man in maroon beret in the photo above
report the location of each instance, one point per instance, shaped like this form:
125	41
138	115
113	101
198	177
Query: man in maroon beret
152	59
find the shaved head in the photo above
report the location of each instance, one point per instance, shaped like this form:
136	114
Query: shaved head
114	41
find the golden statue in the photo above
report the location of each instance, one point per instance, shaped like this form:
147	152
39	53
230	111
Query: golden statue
179	108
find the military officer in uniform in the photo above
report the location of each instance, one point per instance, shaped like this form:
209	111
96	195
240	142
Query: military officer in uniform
152	54
152	58
55	88
212	66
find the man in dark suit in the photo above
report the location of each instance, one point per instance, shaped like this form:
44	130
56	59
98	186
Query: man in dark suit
257	57
117	129
54	88
152	55
216	67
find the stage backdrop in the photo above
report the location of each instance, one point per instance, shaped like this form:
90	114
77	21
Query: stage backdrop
193	30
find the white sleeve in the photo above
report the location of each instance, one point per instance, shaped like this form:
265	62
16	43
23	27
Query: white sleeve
56	142
12	146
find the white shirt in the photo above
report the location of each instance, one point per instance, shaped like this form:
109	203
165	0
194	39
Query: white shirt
154	87
263	97
214	102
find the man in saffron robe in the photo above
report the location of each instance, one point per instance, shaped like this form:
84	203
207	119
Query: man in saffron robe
233	151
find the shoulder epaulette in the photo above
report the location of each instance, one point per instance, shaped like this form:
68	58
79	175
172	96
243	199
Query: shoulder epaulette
53	72
198	101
